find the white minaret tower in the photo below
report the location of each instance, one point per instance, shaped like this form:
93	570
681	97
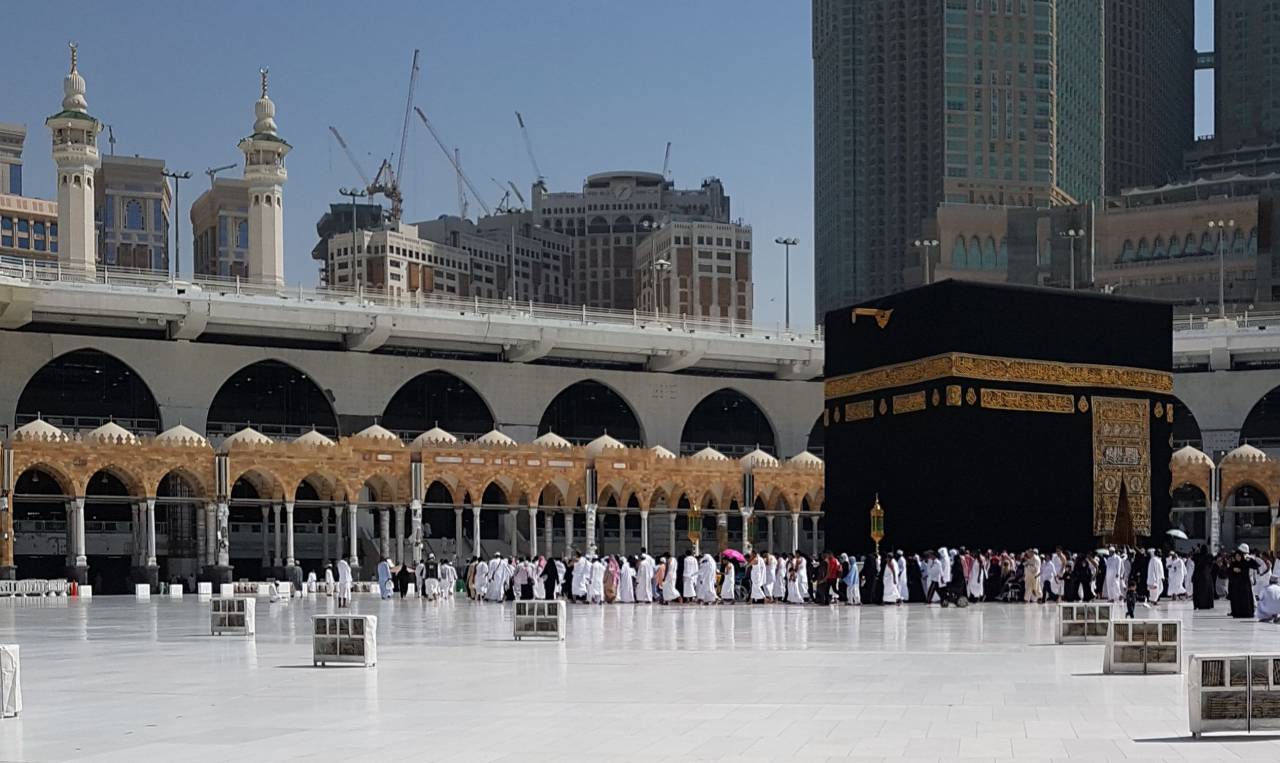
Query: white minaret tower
264	153
75	152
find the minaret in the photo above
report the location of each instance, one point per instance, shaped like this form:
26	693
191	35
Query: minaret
264	153
75	152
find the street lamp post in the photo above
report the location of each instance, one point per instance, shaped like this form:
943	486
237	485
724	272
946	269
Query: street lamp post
353	194
1221	226
1072	235
656	264
177	227
787	242
926	244
660	267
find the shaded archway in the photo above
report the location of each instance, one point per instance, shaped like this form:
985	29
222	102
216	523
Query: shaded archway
39	505
1191	512
728	421
437	398
1248	518
274	398
114	533
1186	430
817	439
587	409
84	389
1262	426
178	499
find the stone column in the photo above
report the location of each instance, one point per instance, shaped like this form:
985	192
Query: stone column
769	529
644	529
324	535
748	524
416	541
591	529
533	532
337	533
568	532
266	556
513	533
353	552
277	560
202	555
813	523
671	527
384	533
210	534
795	532
151	533
457	534
8	571
548	532
475	530
224	535
722	530
78	534
400	534
290	559
622	532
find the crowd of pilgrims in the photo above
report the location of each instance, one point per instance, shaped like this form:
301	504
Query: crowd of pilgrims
1121	575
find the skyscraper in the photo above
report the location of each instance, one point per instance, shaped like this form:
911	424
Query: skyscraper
919	104
1246	76
1150	82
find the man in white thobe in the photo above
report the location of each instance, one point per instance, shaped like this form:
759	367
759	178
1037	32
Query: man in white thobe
779	579
707	579
1155	577
644	579
499	574
581	576
1113	584
1269	601
448	579
344	583
595	583
626	583
689	577
328	580
1176	573
904	591
757	575
481	579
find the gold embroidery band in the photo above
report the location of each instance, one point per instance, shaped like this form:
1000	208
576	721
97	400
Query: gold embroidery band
989	368
863	409
1036	402
908	403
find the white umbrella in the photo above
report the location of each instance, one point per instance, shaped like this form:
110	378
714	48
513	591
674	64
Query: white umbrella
1176	533
1103	552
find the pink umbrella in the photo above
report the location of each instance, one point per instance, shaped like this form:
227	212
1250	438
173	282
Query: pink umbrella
734	555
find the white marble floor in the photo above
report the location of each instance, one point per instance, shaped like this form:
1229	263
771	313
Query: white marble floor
115	679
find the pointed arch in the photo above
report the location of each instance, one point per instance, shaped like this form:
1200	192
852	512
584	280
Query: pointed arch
275	398
731	422
85	388
589	408
438	398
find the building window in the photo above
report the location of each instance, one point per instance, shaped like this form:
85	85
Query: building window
133	215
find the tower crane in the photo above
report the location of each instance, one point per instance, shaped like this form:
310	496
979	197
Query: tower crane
504	204
212	171
528	147
457	167
666	160
516	191
462	192
355	163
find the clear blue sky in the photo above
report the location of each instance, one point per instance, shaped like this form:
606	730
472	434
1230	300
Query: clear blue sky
602	85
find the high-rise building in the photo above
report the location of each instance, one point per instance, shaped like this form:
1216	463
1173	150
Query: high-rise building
131	202
609	217
220	230
1150	86
1246	77
920	104
701	270
12	136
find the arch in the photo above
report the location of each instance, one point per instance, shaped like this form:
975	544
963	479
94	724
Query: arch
1002	254
817	439
730	422
438	398
314	486
1144	249
1126	251
1207	243
1237	243
1157	249
587	409
959	253
1261	427
989	254
133	215
181	482
84	389
1247	494
1175	246
273	397
42	478
110	477
1186	430
381	486
261	482
1188	496
1251	248
494	495
440	492
975	252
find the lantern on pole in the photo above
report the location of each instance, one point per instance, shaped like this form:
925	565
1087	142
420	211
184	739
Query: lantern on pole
695	527
877	523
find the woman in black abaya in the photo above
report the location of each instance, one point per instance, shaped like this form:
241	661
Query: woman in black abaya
1239	582
1202	580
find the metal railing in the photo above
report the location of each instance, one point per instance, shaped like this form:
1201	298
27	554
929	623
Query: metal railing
49	272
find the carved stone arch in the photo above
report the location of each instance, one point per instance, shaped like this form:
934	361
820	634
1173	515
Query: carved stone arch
192	477
264	480
61	473
132	483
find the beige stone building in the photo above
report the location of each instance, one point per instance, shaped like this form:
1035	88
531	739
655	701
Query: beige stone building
701	269
220	230
28	227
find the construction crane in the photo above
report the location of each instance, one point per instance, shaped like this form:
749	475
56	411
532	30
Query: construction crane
364	177
516	191
528	147
457	167
391	184
666	160
462	192
504	203
212	171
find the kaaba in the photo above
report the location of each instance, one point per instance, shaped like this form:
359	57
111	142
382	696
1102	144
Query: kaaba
995	416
